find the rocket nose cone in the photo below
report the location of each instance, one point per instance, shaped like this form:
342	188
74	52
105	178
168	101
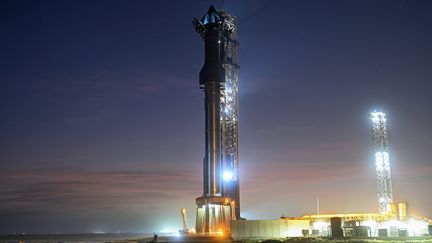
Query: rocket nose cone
211	17
211	9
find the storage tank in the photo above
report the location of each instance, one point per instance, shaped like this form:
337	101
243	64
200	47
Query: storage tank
402	232
382	233
336	227
392	209
361	231
402	211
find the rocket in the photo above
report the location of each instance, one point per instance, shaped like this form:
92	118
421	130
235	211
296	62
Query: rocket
215	209
211	77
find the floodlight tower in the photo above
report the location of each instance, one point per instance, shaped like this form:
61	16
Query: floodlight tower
382	160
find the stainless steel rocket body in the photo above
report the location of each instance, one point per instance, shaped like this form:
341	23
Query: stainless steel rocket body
211	78
213	139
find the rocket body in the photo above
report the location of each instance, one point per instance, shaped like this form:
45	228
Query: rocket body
213	154
212	75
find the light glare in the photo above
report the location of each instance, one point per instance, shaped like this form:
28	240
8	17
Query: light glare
228	176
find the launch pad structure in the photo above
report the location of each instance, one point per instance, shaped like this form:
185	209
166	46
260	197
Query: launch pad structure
218	208
220	201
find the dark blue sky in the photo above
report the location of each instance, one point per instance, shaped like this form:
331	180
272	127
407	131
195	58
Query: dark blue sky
102	118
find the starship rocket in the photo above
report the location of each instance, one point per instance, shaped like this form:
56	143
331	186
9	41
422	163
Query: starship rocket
211	77
214	211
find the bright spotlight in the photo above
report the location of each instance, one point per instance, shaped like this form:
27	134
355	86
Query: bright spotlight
228	176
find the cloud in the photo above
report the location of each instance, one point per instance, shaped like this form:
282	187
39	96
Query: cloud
65	191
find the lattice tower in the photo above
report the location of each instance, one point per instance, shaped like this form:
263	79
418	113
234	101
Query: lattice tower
382	160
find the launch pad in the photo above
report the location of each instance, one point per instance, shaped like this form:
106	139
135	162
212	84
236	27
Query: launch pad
214	215
218	209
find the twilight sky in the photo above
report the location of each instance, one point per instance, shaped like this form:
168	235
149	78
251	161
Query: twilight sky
102	120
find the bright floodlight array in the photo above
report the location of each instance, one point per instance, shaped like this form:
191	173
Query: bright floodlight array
382	160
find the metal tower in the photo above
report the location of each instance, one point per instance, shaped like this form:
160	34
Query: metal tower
229	48
382	160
